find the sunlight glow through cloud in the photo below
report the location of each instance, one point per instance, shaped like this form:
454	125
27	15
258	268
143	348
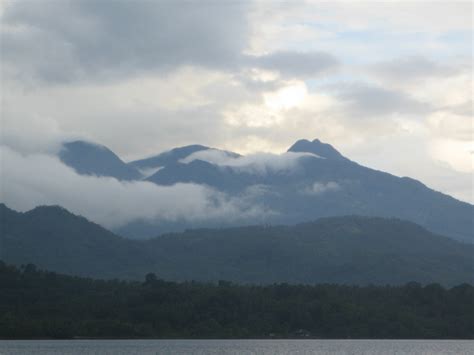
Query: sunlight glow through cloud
287	97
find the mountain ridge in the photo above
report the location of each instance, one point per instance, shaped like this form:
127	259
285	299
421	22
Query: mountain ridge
310	188
88	158
351	250
167	157
317	147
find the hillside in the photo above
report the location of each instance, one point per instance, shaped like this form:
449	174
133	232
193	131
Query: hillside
351	250
53	238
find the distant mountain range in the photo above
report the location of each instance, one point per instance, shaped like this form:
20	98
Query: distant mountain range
349	250
323	183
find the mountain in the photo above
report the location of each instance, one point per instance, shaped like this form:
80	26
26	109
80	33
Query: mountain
328	184
352	250
170	157
173	157
202	172
322	183
318	148
93	159
52	237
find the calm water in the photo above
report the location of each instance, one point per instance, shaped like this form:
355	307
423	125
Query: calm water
270	347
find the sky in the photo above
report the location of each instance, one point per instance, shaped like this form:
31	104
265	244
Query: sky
389	84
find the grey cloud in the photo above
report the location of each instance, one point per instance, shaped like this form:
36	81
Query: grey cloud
412	68
297	64
73	39
32	180
256	85
363	99
131	133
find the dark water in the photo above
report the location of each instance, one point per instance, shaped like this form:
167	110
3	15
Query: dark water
270	347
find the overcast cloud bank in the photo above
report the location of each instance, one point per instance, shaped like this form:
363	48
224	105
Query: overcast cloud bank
248	76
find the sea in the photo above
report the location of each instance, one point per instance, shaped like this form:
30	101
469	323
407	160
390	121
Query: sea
237	347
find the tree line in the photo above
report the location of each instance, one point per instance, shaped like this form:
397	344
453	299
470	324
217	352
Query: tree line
42	304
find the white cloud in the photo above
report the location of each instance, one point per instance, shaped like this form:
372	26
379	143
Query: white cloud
452	126
359	30
147	172
272	110
319	188
261	163
32	180
454	153
421	15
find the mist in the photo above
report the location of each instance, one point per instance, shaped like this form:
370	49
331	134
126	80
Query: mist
259	163
39	179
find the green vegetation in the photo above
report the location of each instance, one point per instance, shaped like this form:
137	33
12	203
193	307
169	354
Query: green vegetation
37	304
344	250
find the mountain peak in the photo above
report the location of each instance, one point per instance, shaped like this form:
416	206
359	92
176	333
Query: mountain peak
95	159
187	150
168	157
317	147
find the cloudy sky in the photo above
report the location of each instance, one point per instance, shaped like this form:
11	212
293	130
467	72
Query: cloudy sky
389	84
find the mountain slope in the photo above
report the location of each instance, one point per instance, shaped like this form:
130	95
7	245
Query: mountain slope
317	147
331	185
92	159
204	173
174	156
355	250
322	183
170	157
53	238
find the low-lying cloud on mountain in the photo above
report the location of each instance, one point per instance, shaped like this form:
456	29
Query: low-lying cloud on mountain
321	187
260	163
198	186
40	179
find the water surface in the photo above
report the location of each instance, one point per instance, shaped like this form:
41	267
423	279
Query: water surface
237	347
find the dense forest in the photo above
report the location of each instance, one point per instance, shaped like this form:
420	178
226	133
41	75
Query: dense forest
344	250
40	304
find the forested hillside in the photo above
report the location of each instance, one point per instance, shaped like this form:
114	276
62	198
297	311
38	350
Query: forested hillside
36	304
346	250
